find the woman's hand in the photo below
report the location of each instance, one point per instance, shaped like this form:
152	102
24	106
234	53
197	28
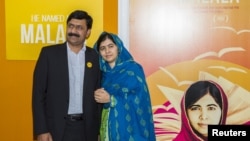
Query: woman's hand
101	96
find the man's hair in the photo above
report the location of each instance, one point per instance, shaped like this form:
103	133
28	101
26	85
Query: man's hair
80	14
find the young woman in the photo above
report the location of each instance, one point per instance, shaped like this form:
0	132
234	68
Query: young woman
127	113
203	104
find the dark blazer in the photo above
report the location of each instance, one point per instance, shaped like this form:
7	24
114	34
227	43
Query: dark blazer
50	98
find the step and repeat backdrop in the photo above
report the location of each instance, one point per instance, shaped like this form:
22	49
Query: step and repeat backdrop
33	24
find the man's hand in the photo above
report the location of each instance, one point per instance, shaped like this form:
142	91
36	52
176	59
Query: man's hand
44	137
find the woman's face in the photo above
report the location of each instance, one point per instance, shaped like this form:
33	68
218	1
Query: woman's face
109	51
204	112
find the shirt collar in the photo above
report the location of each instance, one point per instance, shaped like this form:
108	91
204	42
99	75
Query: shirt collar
82	50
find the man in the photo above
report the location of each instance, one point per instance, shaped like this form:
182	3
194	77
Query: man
65	78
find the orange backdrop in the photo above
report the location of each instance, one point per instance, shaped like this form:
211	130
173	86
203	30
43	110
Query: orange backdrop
16	82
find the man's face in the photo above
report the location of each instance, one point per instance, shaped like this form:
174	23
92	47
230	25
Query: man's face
77	32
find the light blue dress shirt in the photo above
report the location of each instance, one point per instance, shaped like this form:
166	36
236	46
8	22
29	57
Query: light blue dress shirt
76	64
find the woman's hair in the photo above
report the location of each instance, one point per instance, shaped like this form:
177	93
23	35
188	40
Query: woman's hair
199	89
102	37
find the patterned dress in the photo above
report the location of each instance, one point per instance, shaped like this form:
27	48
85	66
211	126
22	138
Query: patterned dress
128	116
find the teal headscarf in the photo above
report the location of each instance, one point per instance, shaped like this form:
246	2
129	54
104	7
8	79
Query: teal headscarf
123	56
129	113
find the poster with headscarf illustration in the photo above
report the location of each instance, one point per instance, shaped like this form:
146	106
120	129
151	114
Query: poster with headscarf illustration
180	42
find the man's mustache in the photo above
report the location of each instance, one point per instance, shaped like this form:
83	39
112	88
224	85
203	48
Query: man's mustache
73	34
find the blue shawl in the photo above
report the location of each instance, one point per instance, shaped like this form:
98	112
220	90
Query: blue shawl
130	110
